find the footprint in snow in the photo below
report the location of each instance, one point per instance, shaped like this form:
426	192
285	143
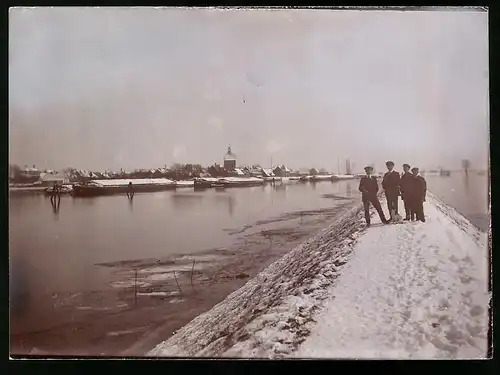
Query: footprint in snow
476	310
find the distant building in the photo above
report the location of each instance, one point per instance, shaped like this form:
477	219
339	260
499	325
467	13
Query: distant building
160	172
217	171
30	172
282	171
238	172
229	160
51	178
253	171
268	172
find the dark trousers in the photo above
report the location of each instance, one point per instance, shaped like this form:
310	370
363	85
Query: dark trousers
392	201
376	203
418	209
408	208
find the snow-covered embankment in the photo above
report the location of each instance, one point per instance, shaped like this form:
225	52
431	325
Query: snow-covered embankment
409	290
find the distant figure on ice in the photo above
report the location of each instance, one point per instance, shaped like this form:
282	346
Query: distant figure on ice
130	191
368	186
419	191
405	186
390	184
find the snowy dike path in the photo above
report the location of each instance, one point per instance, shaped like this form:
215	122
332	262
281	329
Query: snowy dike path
411	290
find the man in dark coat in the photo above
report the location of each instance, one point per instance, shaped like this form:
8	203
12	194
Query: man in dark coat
368	186
419	191
405	186
390	184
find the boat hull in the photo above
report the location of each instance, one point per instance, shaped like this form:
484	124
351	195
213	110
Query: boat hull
64	191
239	184
243	182
203	184
321	178
95	191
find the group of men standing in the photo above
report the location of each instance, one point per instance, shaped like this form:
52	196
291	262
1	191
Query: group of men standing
410	185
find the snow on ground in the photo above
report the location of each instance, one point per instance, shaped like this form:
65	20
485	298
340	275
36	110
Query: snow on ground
416	290
136	181
413	290
240	179
184	184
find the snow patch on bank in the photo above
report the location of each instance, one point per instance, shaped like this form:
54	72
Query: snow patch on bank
416	290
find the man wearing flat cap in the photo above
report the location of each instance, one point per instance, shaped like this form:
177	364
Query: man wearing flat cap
419	191
405	186
368	186
390	184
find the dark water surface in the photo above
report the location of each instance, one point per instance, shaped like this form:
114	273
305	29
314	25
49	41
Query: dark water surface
59	251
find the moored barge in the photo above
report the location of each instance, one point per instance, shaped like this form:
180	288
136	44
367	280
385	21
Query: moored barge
319	178
203	183
63	190
228	182
113	187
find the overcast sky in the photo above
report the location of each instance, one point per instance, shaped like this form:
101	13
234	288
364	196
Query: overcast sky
106	88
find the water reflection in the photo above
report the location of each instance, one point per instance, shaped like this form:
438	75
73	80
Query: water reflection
182	201
231	205
19	289
56	204
280	188
228	200
131	203
348	190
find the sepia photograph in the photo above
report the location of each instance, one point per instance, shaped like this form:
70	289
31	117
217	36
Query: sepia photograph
250	183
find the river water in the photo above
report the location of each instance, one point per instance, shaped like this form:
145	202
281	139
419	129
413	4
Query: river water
59	251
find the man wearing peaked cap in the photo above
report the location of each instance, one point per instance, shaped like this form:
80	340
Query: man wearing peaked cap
368	186
419	191
390	184
405	186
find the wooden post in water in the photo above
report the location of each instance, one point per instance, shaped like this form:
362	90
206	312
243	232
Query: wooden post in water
178	286
135	288
192	272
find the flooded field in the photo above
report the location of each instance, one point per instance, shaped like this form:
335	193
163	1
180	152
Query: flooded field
107	276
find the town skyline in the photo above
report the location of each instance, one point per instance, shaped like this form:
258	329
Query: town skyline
341	167
149	87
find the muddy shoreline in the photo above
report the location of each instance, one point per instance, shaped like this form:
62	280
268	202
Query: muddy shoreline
145	301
